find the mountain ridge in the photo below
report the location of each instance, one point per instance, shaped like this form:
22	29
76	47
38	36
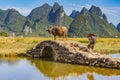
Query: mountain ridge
79	23
91	21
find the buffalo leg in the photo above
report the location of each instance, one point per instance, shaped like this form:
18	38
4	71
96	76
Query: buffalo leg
54	37
66	37
63	37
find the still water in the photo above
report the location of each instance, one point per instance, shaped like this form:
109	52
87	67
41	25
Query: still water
117	55
36	69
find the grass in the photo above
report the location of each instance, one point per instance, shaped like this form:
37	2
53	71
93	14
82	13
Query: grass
108	45
12	46
105	45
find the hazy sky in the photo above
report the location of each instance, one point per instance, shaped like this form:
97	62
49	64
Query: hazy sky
110	7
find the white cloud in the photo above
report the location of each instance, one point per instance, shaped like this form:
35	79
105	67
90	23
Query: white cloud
22	10
77	7
88	6
114	11
113	14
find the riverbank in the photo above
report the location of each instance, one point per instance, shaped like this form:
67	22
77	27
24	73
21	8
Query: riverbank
18	46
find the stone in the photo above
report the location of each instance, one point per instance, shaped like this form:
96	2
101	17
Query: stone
72	52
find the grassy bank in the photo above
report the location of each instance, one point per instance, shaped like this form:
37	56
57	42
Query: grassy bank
19	45
108	45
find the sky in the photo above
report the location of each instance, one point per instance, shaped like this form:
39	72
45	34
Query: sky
110	7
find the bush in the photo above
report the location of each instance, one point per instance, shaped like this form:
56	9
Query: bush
4	33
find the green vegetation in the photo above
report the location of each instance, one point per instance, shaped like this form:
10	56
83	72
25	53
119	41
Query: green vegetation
39	13
42	17
91	22
11	20
108	45
4	33
105	45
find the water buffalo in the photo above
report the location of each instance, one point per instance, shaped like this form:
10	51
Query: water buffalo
58	31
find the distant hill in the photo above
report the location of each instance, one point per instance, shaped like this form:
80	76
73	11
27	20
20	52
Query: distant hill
11	20
91	21
40	13
79	23
44	17
118	27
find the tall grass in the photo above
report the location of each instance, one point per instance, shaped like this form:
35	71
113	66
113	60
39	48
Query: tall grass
19	45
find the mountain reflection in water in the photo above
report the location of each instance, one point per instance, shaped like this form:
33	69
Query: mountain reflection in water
35	69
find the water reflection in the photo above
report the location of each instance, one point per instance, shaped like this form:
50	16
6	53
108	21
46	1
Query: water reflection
55	70
36	69
19	69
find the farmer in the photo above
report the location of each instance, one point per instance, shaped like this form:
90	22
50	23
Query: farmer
91	38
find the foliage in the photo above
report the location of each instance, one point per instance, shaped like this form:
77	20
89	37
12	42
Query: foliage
82	25
39	13
40	18
4	33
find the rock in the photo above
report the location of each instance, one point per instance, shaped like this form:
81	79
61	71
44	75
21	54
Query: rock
74	13
72	52
96	11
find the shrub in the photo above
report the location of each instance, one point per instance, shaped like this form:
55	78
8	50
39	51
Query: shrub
4	33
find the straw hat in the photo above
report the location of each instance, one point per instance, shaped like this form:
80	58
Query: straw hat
91	34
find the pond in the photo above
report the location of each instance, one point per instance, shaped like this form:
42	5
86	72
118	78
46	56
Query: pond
36	69
117	55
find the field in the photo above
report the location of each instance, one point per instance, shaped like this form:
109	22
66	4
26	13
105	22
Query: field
12	46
